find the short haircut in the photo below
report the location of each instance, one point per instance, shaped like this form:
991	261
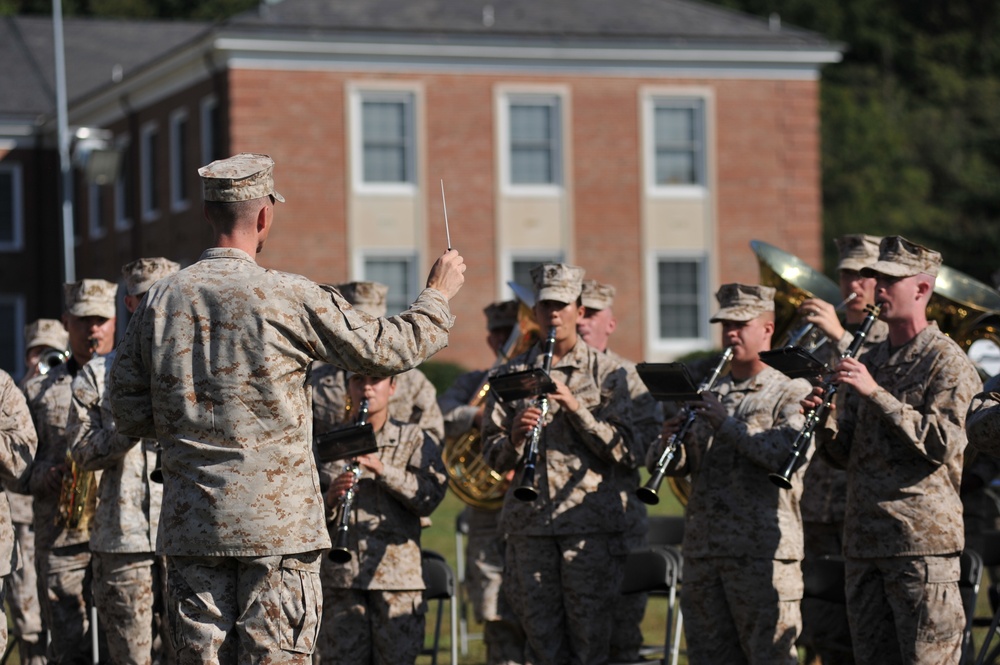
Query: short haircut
226	216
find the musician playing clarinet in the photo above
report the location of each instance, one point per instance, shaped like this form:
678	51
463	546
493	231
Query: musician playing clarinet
565	550
373	605
743	536
899	432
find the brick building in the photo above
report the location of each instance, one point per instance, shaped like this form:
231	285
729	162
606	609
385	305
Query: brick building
648	142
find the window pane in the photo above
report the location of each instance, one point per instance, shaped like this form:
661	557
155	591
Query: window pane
8	335
674	126
384	164
6	207
678	142
396	274
386	137
534	143
675	168
530	123
531	166
180	165
680	310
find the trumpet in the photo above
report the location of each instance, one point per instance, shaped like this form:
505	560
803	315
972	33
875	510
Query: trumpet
52	357
77	500
527	491
340	553
783	477
649	493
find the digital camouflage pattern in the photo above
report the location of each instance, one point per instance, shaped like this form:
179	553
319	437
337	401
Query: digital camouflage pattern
733	506
18	445
457	412
373	627
743	302
910	433
581	454
983	422
129	598
22	598
214	365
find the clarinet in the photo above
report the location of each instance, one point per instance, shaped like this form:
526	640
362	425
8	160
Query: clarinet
527	491
783	477
340	553
649	493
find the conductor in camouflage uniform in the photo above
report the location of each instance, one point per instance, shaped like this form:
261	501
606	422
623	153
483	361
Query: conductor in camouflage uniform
214	365
565	554
596	327
742	535
62	555
18	444
900	433
128	576
373	605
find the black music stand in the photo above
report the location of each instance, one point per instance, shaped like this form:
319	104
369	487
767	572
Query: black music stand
345	443
794	362
519	385
668	382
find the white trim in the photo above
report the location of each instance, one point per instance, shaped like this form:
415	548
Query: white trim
147	172
123	219
671	348
207	132
504	96
16	242
18	301
178	167
96	226
406	94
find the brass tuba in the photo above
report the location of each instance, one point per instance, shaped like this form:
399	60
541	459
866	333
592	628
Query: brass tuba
469	476
794	282
968	311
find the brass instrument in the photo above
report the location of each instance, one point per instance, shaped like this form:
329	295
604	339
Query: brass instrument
469	476
50	358
649	493
527	491
794	282
783	477
340	553
809	337
966	310
77	498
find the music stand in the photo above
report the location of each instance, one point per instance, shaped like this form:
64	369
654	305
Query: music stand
668	382
794	362
345	443
519	385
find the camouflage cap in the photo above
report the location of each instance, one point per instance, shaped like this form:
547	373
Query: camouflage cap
857	251
898	257
242	177
46	332
557	281
90	297
368	297
500	315
742	302
597	296
142	273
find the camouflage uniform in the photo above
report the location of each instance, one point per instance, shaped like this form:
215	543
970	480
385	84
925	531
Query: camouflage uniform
22	585
982	465
983	424
128	576
18	445
902	545
62	554
824	496
214	366
647	418
565	551
743	607
374	608
485	547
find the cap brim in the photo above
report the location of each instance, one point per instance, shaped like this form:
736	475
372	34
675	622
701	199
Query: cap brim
853	264
888	268
738	314
277	196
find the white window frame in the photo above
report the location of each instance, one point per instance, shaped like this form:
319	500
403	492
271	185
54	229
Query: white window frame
208	137
556	98
525	255
179	201
147	173
687	191
400	253
679	345
16	242
357	98
123	219
96	227
18	301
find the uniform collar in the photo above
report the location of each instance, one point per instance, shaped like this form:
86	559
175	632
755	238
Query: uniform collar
226	253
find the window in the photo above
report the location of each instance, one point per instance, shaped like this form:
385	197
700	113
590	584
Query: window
149	158
520	268
97	222
11	211
211	131
387	138
681	288
678	142
12	334
399	274
535	140
124	187
178	160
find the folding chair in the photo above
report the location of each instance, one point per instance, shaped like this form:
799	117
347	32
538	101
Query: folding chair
655	570
440	586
